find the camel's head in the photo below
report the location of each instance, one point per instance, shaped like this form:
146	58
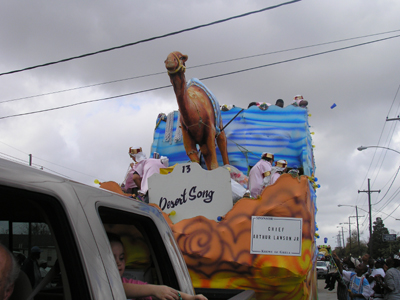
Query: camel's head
175	62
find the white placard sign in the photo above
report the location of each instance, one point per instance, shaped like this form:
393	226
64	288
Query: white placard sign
192	191
276	236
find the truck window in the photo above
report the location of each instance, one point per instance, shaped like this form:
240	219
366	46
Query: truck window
145	254
33	222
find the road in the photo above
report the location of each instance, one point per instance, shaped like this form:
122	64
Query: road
325	294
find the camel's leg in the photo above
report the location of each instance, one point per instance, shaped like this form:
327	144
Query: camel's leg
223	147
190	146
209	151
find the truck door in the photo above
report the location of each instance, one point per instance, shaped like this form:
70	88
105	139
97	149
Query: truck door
34	226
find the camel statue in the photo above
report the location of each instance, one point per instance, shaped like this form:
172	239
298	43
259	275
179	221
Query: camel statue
200	115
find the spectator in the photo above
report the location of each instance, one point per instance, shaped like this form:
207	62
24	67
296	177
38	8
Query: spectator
139	289
31	266
358	285
20	258
372	279
43	268
8	273
330	280
391	282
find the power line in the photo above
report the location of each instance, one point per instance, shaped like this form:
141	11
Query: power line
198	66
380	137
149	39
204	78
12	158
389	200
390	215
388	188
301	57
16	159
85	102
86	86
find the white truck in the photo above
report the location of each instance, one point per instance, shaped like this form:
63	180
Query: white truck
68	221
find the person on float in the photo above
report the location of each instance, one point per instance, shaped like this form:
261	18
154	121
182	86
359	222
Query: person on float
130	184
298	100
253	104
143	168
260	174
278	170
280	103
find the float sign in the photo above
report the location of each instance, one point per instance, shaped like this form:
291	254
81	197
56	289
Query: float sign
276	236
191	191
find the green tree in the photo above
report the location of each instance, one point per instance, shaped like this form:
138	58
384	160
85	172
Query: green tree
379	247
352	248
351	244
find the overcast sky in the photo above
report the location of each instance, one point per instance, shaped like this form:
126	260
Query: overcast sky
90	141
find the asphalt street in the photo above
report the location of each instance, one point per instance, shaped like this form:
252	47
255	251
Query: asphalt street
325	294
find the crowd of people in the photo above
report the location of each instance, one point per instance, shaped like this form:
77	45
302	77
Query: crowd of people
298	100
366	278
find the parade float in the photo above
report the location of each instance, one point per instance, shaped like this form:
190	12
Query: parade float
324	252
228	239
232	245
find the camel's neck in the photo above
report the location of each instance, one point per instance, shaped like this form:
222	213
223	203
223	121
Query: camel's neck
178	81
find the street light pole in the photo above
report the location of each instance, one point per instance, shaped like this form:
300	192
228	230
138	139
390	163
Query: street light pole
358	233
361	148
350	232
344	245
358	228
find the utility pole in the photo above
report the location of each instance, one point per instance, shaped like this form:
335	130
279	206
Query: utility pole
349	232
358	233
339	240
30	159
370	214
344	245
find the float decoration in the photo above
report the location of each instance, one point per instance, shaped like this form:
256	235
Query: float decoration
218	253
